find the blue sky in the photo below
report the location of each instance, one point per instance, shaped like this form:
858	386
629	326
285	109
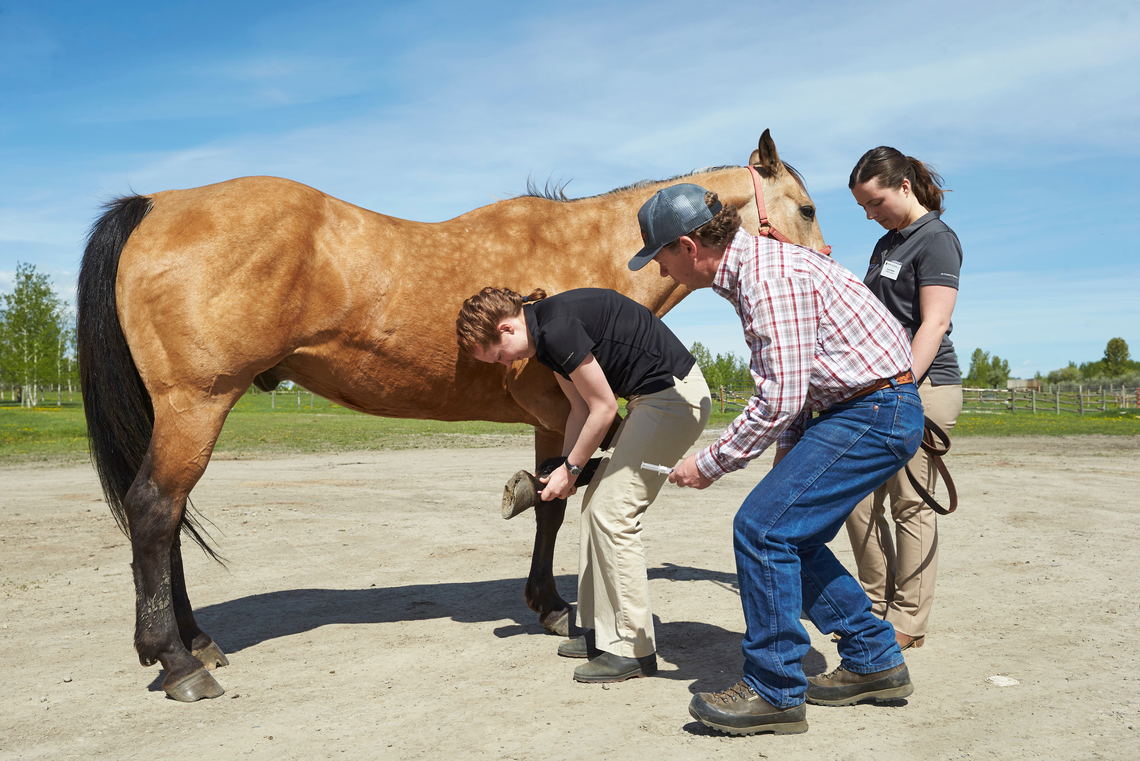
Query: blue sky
1031	112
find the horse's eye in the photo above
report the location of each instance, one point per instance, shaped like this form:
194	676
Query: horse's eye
808	212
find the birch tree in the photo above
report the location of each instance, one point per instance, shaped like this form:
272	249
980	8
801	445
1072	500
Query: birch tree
30	333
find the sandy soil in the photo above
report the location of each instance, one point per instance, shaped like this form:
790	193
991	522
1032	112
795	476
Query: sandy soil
372	608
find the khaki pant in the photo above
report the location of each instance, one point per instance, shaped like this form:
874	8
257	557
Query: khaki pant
899	576
613	588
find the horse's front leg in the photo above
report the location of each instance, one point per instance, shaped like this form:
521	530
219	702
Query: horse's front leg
541	591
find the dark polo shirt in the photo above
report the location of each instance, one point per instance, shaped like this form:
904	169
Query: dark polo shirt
925	253
636	351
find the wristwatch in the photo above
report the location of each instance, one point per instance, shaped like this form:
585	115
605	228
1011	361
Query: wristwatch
575	470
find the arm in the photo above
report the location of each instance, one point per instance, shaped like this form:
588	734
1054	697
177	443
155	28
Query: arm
780	325
592	410
781	320
935	304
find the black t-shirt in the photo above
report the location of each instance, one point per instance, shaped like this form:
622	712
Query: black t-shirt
926	252
636	351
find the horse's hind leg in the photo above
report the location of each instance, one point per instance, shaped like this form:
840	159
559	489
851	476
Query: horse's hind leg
200	644
154	505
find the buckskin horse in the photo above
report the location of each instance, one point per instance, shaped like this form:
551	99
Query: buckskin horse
187	297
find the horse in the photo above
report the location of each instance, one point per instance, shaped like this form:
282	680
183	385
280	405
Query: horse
187	297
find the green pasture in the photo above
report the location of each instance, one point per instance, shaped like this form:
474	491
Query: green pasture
261	425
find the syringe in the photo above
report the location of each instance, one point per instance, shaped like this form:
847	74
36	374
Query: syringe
656	468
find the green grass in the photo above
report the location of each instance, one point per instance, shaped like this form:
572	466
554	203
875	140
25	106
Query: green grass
1112	423
254	428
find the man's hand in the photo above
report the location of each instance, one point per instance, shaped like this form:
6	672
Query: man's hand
686	474
559	485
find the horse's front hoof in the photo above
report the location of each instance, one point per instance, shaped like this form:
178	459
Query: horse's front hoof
212	657
557	622
520	494
196	686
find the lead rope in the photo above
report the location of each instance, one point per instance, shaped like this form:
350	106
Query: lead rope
931	432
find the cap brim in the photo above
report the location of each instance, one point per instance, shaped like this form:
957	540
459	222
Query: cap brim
644	257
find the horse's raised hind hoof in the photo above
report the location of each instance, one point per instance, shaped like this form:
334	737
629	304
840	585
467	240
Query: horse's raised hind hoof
196	686
211	656
520	494
557	622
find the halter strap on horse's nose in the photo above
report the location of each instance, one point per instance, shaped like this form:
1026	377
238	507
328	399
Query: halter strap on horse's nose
767	229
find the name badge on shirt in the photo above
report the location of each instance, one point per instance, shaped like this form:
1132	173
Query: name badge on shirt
891	270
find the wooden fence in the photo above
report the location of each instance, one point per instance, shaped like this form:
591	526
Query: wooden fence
1049	402
735	396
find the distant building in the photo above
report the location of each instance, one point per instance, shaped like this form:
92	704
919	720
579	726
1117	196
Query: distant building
1031	384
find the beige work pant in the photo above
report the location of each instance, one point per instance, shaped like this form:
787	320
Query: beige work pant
613	588
899	576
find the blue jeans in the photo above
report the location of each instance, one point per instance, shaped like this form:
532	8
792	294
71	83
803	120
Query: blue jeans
780	535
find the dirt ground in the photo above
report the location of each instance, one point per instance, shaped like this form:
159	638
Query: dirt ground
372	608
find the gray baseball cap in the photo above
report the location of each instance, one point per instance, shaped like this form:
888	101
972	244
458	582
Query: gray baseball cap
672	212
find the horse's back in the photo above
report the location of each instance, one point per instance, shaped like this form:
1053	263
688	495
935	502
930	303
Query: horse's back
223	282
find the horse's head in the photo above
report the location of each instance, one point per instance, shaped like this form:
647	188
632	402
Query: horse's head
790	209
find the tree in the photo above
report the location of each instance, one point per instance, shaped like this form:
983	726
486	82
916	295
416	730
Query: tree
30	333
999	372
979	375
1115	357
986	371
1070	374
722	369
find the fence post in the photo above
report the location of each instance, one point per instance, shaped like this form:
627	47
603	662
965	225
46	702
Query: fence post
1057	391
1081	400
1012	400
273	399
1033	400
721	391
1103	404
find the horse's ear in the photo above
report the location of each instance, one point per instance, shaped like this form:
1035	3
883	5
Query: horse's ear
766	156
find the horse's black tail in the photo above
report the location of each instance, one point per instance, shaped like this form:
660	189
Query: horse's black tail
120	415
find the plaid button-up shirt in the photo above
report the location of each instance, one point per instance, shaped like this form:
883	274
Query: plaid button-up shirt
816	333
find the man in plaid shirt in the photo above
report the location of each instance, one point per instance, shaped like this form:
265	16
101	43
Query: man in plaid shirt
820	343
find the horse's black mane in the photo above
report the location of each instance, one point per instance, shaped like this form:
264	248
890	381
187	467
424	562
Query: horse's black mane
556	191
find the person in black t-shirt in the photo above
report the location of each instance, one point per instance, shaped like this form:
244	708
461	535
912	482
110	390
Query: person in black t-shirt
914	271
602	345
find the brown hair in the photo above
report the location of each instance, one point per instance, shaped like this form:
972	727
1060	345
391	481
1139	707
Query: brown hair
478	323
890	167
718	231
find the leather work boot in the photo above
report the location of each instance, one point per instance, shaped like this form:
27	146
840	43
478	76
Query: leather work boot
608	667
740	711
843	688
581	646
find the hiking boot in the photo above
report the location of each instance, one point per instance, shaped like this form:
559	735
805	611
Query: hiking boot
608	667
843	688
581	646
740	711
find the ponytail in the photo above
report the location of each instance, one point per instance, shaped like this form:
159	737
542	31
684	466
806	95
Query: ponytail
890	167
477	326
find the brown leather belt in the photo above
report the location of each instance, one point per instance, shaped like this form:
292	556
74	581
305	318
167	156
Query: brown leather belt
879	385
